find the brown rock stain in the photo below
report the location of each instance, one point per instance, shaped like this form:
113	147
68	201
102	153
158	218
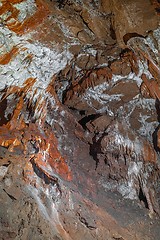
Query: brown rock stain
91	79
149	154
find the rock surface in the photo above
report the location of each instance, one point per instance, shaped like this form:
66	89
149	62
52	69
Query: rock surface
133	17
79	120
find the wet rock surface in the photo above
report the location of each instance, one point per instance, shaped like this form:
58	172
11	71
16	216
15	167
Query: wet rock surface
79	120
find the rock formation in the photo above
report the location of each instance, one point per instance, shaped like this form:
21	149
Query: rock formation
79	120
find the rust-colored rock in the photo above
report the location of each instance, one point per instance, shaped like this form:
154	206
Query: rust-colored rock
133	17
78	123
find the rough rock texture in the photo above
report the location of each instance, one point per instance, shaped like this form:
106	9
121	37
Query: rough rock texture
133	17
79	120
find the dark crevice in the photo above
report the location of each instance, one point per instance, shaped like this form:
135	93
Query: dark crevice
42	175
125	51
6	164
82	112
142	198
86	24
155	133
48	179
3	107
87	118
30	109
61	3
157	10
128	36
95	148
155	139
157	106
112	30
84	221
9	195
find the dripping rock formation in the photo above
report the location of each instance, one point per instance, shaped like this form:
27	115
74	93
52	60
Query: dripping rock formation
79	119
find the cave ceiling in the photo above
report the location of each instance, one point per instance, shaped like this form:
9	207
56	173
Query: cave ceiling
79	119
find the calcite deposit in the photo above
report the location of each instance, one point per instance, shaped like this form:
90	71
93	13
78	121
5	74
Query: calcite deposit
79	119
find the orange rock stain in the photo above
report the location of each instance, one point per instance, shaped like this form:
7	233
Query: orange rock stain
6	58
29	23
16	133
